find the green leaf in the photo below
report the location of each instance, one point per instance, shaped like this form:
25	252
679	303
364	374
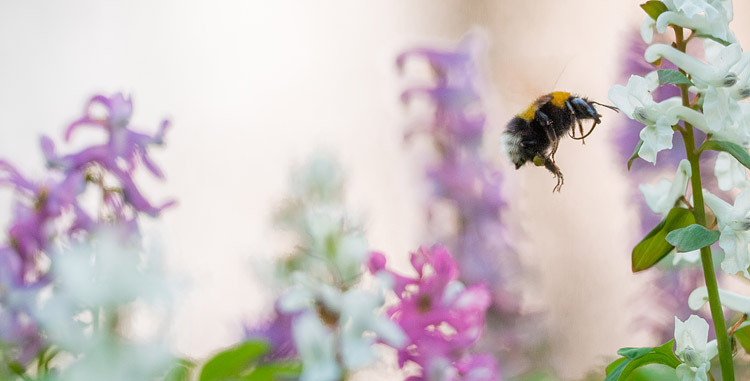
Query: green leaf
635	153
654	245
651	372
18	369
635	358
234	362
692	238
669	76
743	337
710	37
654	8
735	150
617	366
276	371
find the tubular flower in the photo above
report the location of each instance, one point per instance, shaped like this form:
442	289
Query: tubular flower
706	17
662	197
734	222
692	349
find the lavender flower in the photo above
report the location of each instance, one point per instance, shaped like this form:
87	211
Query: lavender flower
276	331
47	215
119	154
463	178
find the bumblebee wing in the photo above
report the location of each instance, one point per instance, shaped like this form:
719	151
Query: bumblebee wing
543	100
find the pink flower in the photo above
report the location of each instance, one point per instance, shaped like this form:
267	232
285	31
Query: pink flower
441	317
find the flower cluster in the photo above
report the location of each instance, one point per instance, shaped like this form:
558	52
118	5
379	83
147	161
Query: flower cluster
55	214
711	92
441	317
335	322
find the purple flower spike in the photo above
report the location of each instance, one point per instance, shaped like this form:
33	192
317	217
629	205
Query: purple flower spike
118	155
441	317
278	332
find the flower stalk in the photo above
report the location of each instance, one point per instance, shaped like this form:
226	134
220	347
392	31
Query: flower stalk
693	156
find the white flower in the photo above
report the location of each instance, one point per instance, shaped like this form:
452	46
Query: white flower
636	101
731	300
734	221
316	346
688	256
710	17
661	198
354	313
647	29
692	349
94	283
729	172
358	316
738	133
720	74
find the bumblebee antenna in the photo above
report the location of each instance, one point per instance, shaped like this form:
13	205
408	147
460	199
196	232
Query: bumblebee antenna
613	108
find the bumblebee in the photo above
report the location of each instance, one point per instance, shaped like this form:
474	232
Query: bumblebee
534	134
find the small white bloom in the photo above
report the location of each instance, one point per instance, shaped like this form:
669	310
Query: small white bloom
358	316
316	346
661	198
738	133
734	221
689	257
702	74
636	101
691	348
710	17
647	30
729	172
731	300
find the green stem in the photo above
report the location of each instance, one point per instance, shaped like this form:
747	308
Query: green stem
717	314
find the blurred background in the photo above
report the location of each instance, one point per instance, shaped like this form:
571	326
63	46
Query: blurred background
253	88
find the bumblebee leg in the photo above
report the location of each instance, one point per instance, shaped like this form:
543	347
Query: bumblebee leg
591	130
551	135
580	129
549	163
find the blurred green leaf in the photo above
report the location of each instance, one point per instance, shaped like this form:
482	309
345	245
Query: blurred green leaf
634	358
651	372
635	153
276	371
692	238
233	363
735	150
743	337
670	76
654	245
654	8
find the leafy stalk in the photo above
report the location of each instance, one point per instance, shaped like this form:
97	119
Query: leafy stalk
693	156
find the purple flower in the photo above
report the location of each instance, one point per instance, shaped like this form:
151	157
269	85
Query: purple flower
16	326
441	317
119	155
276	331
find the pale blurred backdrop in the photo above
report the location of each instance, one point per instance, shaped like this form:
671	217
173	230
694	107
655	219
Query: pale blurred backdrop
253	87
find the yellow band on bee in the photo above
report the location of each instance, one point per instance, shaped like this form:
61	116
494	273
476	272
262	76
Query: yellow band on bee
529	114
559	98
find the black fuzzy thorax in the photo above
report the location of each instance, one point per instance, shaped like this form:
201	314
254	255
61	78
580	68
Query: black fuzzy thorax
534	138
